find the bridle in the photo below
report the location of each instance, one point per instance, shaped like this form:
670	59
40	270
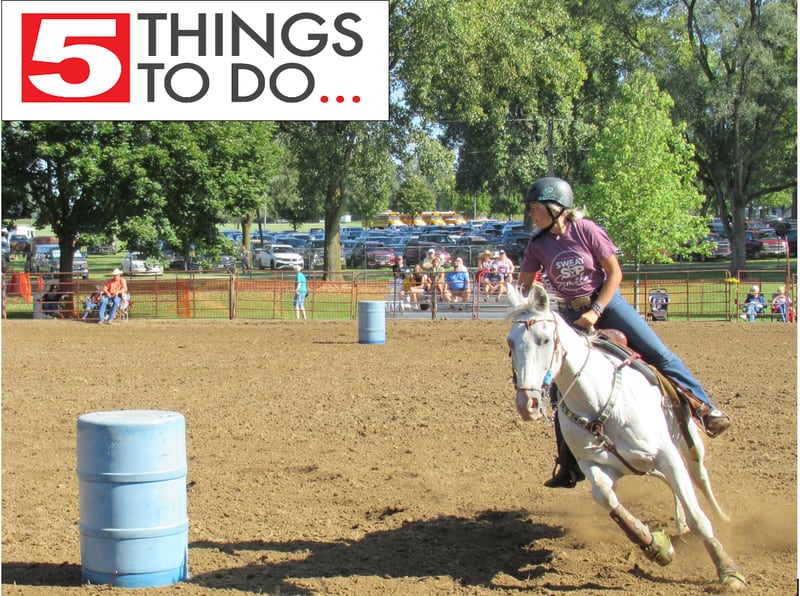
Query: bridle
547	381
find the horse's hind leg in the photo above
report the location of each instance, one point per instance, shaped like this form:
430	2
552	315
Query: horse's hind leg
695	458
729	574
671	465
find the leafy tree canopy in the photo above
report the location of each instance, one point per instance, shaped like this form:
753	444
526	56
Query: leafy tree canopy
644	180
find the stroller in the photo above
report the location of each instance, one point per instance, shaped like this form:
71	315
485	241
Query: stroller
659	303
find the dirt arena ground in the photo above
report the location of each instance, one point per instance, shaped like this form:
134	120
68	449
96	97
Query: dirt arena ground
319	465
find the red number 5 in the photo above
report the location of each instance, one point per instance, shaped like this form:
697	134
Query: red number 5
75	58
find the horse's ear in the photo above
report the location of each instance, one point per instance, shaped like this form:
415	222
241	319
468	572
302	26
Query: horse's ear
538	297
514	296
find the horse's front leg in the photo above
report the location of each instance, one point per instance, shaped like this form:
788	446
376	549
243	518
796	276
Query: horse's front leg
656	545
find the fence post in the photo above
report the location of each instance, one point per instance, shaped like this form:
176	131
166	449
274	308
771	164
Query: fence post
233	294
184	299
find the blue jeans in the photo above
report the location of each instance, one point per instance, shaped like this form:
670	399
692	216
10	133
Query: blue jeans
781	312
753	309
115	302
619	314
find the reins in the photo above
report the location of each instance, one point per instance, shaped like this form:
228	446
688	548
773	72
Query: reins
597	426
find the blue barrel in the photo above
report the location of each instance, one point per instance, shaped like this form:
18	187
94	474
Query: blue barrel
371	322
132	478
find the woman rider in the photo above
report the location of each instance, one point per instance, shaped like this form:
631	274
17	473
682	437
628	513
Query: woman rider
579	259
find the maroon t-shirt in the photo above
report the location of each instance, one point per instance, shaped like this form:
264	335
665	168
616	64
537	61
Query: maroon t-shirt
571	259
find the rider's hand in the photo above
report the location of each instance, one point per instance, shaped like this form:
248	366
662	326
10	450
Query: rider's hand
587	320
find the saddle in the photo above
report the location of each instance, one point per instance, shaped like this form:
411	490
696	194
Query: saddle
614	342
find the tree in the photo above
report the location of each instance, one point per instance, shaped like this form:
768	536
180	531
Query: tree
429	160
643	186
414	196
246	158
492	74
148	182
333	157
73	176
731	69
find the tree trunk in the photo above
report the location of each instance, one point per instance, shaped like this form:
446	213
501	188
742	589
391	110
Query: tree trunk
334	205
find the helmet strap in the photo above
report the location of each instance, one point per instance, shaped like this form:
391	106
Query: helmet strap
554	221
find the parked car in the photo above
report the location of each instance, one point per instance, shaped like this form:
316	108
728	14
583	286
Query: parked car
470	248
417	250
202	263
279	256
446	238
220	263
39	258
314	253
233	235
791	238
372	254
19	243
764	244
177	263
47	257
720	248
103	248
514	243
136	263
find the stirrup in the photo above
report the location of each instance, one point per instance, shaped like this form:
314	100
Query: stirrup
716	422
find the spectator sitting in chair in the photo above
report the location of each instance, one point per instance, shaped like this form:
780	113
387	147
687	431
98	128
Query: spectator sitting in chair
113	291
91	303
428	264
494	284
52	301
505	266
781	304
754	304
457	284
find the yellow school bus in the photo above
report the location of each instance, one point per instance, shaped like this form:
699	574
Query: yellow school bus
388	218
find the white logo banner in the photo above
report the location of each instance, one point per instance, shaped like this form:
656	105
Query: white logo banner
177	60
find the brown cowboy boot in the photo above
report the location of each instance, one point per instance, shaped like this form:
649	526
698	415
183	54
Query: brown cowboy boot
716	422
566	473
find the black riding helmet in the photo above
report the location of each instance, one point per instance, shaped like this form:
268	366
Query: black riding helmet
550	190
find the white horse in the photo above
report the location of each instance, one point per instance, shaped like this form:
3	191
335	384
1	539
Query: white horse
616	422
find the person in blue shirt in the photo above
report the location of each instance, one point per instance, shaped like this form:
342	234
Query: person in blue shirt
754	304
300	289
494	283
457	282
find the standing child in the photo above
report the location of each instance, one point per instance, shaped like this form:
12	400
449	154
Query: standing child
300	289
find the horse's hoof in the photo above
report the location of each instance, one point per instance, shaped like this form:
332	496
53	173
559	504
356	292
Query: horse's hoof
733	581
660	549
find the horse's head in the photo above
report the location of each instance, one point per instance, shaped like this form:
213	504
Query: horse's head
534	355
